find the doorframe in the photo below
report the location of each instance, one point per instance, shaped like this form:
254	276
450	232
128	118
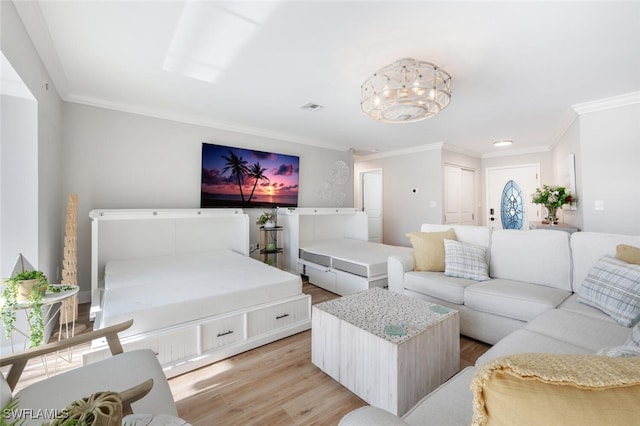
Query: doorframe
360	194
476	190
486	184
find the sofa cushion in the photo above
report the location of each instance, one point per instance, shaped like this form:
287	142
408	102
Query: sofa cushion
436	284
634	336
449	404
464	260
513	299
613	286
543	389
587	332
571	304
428	249
524	340
588	247
538	256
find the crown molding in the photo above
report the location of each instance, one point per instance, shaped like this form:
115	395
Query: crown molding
460	150
201	121
520	151
399	152
607	103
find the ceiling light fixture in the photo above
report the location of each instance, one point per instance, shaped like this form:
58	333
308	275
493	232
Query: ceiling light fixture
503	142
406	91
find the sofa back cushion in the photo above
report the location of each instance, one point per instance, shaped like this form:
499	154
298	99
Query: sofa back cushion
588	247
538	256
477	235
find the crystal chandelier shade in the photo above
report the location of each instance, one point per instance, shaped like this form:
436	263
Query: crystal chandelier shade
406	91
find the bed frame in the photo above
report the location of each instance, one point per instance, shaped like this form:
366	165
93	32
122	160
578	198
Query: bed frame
132	234
303	225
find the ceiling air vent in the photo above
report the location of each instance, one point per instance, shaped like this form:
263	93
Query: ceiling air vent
311	106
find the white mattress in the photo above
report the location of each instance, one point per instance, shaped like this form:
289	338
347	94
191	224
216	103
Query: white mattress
158	292
356	257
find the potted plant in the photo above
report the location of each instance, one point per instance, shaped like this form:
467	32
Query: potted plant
267	219
27	286
553	198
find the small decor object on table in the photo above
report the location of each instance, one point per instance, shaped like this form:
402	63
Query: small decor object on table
552	198
267	219
26	286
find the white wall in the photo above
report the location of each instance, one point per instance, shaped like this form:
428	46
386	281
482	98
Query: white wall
569	143
18	49
405	211
41	180
610	154
115	159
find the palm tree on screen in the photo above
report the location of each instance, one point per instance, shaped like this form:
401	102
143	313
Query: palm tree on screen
238	168
256	172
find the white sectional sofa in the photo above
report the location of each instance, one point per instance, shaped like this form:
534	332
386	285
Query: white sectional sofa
530	305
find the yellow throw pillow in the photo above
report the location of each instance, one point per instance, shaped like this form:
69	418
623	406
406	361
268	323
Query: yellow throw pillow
428	249
627	253
545	389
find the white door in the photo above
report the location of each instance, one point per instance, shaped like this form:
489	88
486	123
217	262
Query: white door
509	192
459	195
371	182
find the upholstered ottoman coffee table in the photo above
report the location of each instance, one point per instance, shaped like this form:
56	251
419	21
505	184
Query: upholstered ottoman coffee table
390	350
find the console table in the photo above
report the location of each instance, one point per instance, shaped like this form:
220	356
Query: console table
559	227
354	341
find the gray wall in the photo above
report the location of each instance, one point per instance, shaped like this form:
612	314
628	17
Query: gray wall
116	159
569	143
610	154
18	49
405	211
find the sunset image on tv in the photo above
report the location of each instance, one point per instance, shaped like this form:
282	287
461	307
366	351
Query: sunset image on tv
239	177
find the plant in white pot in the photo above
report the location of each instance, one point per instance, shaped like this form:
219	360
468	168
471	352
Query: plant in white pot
27	286
267	219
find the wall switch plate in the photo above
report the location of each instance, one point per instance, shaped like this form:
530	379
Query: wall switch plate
599	205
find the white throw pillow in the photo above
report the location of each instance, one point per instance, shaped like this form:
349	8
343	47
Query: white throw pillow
613	286
464	260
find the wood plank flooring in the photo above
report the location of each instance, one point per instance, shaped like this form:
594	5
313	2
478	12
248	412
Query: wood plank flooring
275	384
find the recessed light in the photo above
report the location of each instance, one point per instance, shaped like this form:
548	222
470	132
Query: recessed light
503	142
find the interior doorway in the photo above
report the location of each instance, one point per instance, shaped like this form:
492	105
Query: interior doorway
371	193
459	195
508	194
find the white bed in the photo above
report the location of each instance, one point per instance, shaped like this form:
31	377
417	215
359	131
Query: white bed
362	258
185	278
330	247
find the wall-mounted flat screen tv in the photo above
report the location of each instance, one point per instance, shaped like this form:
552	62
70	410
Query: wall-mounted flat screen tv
240	177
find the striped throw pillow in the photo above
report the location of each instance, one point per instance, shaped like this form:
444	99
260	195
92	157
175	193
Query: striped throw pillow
613	286
634	337
465	260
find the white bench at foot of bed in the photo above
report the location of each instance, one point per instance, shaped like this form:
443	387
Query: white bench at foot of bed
185	347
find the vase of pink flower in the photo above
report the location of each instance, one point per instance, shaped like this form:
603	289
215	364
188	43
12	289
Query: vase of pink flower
552	198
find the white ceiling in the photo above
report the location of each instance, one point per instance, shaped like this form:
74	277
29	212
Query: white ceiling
517	67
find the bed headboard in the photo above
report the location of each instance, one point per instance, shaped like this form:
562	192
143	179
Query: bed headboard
131	234
309	224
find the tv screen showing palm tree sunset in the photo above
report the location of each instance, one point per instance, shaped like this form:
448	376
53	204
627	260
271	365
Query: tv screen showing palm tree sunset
240	177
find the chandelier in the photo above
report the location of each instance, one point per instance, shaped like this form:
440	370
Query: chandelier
406	91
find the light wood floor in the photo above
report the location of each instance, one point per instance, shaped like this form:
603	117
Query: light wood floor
275	384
